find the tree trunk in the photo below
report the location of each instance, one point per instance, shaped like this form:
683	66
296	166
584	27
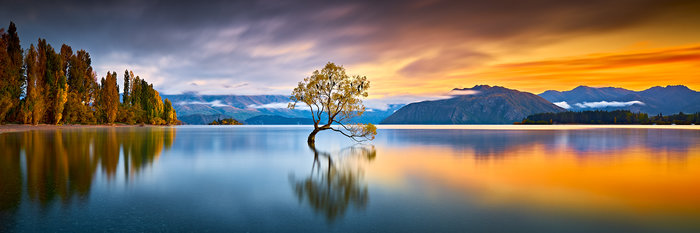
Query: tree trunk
312	138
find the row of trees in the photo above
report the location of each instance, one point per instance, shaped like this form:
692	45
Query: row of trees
612	117
43	85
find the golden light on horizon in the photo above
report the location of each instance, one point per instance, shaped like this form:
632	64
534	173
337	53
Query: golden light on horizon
658	51
634	69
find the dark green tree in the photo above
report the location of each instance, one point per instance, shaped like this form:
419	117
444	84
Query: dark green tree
81	80
12	79
127	85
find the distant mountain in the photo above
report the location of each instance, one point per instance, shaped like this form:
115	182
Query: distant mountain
277	120
239	107
665	100
203	109
482	105
200	119
584	93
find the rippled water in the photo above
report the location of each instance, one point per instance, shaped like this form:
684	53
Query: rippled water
420	179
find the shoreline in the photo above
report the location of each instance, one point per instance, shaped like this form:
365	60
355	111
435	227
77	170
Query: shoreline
9	128
489	127
540	127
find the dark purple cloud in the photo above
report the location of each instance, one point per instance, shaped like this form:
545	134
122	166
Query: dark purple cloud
270	45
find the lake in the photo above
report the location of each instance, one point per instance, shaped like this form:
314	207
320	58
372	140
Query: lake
409	179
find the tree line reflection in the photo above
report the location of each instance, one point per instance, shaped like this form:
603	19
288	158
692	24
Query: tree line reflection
335	183
60	165
486	144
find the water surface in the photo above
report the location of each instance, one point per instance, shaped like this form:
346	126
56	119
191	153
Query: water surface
410	179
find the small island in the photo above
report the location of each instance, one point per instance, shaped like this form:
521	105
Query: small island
226	121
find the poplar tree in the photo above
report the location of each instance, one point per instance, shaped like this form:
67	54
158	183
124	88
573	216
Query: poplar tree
34	100
61	88
127	85
12	80
110	97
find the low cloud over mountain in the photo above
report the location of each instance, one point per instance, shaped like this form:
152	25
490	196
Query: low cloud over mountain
605	104
655	100
193	108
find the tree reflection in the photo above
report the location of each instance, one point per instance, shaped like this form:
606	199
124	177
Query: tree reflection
62	164
10	181
333	186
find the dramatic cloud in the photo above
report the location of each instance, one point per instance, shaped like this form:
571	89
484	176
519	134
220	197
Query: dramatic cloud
632	70
406	48
603	104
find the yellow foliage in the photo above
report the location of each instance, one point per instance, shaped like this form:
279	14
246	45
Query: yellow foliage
5	106
61	98
157	121
334	97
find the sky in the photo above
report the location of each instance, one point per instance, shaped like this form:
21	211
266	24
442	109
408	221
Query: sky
409	50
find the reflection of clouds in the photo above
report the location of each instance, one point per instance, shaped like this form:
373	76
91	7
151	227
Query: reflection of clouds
499	142
606	141
481	142
333	187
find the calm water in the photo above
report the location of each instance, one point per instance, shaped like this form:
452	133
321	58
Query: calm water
262	179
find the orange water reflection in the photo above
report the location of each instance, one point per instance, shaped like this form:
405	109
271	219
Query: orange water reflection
633	180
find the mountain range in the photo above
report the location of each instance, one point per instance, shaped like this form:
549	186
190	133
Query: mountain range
198	109
481	104
277	120
656	100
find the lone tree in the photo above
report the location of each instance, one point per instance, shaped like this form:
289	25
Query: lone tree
334	97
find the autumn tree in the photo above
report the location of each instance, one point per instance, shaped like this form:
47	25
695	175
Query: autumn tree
81	80
54	81
110	97
135	98
155	103
334	98
12	80
5	99
43	86
66	54
169	114
35	87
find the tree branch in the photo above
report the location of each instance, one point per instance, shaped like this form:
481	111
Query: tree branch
351	136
